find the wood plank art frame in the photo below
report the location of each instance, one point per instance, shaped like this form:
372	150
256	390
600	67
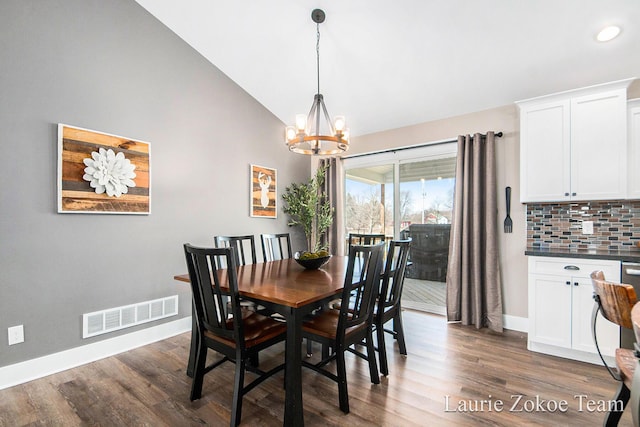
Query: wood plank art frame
263	194
75	195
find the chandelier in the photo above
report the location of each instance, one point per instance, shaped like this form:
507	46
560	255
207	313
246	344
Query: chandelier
315	133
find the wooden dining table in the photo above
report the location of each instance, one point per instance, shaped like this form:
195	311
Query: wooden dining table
288	289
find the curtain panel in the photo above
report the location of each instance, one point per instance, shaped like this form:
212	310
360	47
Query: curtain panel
474	295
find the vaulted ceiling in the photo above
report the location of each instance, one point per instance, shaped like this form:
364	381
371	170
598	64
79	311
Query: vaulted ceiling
388	64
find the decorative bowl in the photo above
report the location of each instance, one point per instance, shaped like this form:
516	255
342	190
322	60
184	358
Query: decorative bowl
311	263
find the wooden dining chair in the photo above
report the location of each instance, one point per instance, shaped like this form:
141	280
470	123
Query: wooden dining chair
242	244
388	306
364	239
615	301
351	324
224	327
276	246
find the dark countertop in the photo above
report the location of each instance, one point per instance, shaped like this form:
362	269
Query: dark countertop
632	255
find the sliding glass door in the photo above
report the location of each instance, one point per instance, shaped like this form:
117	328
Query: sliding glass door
407	193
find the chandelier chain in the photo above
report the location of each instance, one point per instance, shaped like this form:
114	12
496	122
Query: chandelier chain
318	54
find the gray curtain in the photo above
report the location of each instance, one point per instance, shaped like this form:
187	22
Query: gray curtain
333	185
474	296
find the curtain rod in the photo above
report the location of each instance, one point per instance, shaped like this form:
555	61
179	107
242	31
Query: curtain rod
426	144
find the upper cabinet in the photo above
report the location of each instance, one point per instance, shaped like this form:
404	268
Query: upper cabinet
633	184
573	145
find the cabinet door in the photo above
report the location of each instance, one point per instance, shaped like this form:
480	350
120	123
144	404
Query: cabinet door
599	146
544	152
550	310
633	182
582	308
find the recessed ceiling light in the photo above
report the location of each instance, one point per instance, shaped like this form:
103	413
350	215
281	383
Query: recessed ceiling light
608	33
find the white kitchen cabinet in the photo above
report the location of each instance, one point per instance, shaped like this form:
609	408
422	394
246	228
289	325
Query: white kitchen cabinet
560	307
633	185
573	145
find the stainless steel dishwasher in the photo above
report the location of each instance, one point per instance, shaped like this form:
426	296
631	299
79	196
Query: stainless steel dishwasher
630	275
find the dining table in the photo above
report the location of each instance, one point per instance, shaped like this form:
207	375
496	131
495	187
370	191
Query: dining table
287	288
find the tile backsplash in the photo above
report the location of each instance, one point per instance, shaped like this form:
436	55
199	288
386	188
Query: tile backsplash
616	225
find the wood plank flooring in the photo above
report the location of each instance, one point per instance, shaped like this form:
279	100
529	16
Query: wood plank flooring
446	363
424	295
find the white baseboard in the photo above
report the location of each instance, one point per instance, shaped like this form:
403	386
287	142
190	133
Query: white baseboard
50	364
515	323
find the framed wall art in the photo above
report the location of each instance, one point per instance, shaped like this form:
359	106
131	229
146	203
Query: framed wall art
102	173
264	200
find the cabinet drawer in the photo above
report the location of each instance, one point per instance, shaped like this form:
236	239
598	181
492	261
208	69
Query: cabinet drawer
574	267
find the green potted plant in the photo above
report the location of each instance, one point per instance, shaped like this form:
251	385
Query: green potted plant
308	206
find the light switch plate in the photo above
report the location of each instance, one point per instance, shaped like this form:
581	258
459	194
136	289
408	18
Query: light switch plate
15	334
587	227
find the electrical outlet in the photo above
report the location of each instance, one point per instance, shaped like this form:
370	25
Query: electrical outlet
587	227
16	334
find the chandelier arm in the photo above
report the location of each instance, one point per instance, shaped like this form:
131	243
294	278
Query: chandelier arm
332	130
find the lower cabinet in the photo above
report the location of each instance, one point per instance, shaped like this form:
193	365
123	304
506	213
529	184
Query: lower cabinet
560	307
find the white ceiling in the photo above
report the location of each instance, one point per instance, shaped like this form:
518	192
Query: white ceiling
388	64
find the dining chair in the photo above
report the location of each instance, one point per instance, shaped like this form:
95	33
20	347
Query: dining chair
388	306
242	244
276	246
351	324
615	301
364	239
224	327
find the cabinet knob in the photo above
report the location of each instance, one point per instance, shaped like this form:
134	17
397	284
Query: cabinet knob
568	282
576	284
566	194
573	194
571	267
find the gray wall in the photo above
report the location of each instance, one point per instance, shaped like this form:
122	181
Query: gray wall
110	66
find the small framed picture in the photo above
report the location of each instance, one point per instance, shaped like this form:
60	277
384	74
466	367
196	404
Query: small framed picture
264	198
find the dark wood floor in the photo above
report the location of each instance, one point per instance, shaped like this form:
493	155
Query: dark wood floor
148	386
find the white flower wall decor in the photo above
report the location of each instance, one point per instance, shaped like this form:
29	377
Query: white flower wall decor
109	172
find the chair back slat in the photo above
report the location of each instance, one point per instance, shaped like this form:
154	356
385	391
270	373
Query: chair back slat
616	299
241	245
276	246
394	273
361	285
213	312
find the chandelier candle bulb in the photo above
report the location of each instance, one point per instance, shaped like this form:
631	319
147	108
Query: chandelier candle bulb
301	122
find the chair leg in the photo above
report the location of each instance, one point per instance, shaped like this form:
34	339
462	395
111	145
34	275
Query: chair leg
198	371
309	348
397	326
613	417
343	394
371	357
382	350
238	385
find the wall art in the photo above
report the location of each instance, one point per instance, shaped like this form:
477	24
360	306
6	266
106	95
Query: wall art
263	199
102	173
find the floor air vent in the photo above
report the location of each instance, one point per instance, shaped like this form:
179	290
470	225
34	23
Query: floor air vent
113	319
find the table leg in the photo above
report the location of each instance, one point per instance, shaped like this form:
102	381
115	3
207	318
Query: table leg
293	412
